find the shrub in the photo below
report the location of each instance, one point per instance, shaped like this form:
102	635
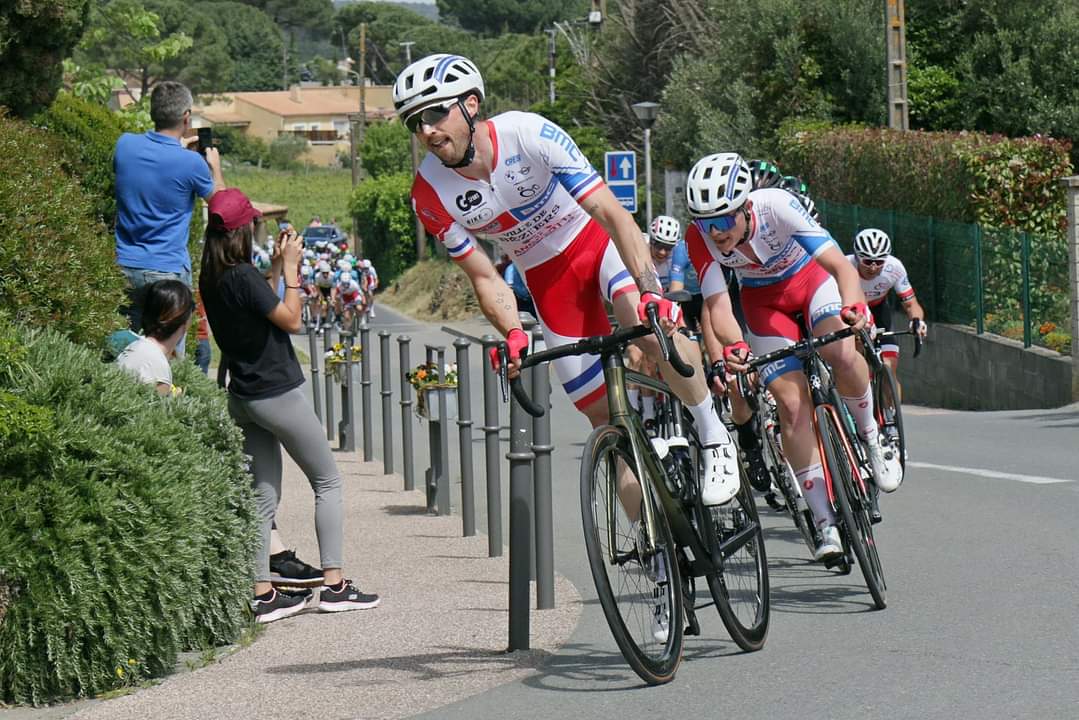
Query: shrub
284	151
49	229
383	209
129	522
237	146
88	134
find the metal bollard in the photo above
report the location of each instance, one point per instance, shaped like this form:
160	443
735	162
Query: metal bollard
528	322
346	429
493	461
365	389
520	457
406	414
386	393
541	481
327	377
443	481
433	439
312	344
464	427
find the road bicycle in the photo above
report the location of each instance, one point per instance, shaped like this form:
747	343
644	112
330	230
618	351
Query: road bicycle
649	565
886	398
846	464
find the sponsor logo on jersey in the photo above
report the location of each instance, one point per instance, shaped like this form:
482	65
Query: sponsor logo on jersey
559	137
513	159
469	200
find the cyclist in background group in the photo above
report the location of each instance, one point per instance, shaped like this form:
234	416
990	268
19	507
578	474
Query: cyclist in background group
324	281
369	283
786	264
880	273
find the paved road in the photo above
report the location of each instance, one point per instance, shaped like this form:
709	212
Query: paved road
979	549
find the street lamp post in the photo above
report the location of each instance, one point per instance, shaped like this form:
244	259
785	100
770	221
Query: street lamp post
646	113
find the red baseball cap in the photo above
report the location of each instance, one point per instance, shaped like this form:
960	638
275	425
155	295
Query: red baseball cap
230	209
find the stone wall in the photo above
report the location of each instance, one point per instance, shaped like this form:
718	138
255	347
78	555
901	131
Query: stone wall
961	370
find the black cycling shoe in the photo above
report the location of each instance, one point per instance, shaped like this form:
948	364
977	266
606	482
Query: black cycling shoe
774	502
756	471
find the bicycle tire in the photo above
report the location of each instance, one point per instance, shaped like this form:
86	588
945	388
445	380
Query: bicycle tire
654	661
783	477
889	409
740	590
853	504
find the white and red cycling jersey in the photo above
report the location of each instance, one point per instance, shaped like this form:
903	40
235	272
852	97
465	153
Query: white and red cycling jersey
893	276
531	208
776	273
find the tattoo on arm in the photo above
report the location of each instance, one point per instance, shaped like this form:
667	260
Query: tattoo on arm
648	282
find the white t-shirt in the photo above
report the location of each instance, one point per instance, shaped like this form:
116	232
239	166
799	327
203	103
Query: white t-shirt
145	360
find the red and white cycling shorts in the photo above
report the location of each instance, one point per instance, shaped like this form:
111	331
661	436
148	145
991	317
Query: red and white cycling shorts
770	311
568	291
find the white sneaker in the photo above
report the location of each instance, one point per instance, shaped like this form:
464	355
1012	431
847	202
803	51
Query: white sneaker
719	480
830	543
661	616
887	471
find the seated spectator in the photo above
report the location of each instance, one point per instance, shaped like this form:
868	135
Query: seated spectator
165	315
252	326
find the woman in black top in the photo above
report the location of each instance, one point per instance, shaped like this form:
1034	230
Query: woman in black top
252	326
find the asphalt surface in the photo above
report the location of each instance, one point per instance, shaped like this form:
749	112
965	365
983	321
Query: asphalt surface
978	547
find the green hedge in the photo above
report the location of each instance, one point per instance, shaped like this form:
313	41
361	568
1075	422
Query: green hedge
58	259
128	521
996	181
87	133
383	208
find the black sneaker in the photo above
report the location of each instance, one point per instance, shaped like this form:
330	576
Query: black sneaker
276	605
344	597
756	471
287	569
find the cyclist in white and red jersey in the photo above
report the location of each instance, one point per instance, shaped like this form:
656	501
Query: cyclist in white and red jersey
786	264
521	181
880	273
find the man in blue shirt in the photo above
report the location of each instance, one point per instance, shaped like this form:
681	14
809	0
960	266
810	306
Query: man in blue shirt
157	179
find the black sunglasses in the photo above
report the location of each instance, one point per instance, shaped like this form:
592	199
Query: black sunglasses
429	116
871	263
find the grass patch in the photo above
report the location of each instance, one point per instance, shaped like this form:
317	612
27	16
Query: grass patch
316	191
432	290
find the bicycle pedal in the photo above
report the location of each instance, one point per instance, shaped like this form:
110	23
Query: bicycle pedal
835	561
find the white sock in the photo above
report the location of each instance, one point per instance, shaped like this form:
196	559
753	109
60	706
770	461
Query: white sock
862	410
634	398
649	411
710	428
815	490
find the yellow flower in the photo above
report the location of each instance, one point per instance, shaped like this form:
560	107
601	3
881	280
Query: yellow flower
119	672
131	662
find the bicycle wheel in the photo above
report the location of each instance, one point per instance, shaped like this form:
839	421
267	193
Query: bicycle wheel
889	410
740	589
853	503
632	585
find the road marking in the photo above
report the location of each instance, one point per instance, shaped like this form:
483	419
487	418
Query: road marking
1034	479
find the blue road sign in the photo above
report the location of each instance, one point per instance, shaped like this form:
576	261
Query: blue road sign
620	172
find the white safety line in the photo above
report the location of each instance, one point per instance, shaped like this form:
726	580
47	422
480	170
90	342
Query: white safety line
1034	479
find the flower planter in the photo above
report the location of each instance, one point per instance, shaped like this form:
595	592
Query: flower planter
427	401
339	370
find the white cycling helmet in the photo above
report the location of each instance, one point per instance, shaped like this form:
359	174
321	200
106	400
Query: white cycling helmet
433	79
343	264
718	184
324	267
872	244
666	230
366	264
346	280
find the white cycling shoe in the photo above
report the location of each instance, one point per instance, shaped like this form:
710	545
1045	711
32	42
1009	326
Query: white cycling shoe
830	545
719	480
887	471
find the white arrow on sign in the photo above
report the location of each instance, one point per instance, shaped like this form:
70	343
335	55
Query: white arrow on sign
626	166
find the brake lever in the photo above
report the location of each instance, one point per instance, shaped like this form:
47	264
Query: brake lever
504	372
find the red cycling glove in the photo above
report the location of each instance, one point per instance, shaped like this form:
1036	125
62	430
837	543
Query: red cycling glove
860	308
667	309
729	350
516	341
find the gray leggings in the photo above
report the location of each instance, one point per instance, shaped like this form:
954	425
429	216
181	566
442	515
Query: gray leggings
288	420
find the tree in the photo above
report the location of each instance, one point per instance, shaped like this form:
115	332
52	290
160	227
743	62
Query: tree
35	37
494	17
386	149
253	42
292	16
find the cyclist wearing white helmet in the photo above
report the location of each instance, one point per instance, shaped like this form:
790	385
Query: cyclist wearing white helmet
786	264
540	199
880	273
